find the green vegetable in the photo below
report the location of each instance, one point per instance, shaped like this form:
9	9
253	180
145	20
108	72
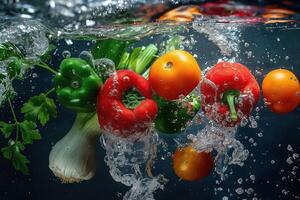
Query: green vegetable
47	56
13	152
14	67
39	108
123	64
8	49
134	57
139	59
73	158
77	85
173	116
110	48
21	133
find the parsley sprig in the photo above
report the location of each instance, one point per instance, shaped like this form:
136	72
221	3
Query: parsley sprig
37	110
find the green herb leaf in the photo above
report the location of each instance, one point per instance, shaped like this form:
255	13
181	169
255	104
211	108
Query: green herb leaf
13	153
6	128
29	132
39	108
46	57
8	49
7	152
14	67
2	76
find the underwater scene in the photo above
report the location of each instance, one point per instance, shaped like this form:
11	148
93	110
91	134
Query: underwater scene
149	100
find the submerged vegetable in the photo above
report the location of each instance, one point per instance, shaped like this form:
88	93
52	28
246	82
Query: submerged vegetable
77	85
173	116
114	115
190	165
111	49
141	58
73	158
174	74
229	93
281	91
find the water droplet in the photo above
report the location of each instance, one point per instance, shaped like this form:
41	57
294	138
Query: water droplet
252	177
75	84
68	42
87	56
289	148
66	54
272	162
239	190
126	79
289	161
260	134
90	22
240	180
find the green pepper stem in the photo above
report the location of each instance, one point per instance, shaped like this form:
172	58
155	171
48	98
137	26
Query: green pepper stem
229	98
45	66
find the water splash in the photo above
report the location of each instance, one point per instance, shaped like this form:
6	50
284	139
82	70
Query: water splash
28	35
224	35
229	150
130	162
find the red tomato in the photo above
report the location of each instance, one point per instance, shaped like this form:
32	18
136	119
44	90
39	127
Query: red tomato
190	165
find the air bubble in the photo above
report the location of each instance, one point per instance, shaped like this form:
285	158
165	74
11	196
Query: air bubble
66	54
239	191
68	42
87	56
126	79
75	84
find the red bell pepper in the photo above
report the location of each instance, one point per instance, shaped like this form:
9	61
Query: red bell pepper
113	115
229	93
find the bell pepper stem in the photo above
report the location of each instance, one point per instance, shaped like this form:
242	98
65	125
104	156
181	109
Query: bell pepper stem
229	97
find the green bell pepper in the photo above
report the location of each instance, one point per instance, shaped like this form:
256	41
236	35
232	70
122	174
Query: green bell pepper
77	85
173	116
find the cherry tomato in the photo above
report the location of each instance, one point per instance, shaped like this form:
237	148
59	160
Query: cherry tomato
190	165
281	91
174	74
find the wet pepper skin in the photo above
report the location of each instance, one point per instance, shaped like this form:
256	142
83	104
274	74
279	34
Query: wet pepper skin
114	116
77	85
227	76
